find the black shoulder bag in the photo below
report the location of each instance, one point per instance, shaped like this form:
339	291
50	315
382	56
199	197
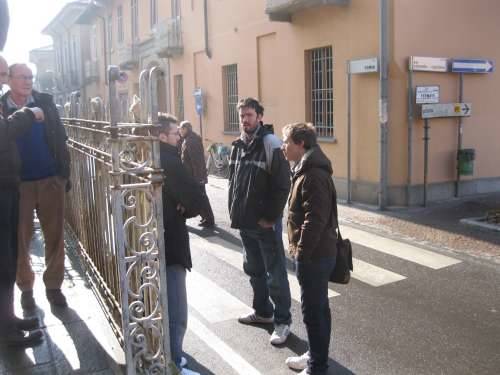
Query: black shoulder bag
341	273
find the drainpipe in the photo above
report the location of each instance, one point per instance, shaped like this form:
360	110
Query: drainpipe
383	101
205	16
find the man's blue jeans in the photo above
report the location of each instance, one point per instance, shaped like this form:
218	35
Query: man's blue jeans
177	310
313	279
264	261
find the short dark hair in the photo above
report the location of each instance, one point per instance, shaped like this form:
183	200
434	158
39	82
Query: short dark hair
251	103
166	120
301	131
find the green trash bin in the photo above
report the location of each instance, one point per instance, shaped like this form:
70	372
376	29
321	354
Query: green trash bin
466	158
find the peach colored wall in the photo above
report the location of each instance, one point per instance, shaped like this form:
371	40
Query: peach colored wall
270	58
447	28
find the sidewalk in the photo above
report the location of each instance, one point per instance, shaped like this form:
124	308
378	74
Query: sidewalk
436	226
77	340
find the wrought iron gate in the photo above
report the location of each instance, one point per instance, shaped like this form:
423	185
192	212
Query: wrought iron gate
115	212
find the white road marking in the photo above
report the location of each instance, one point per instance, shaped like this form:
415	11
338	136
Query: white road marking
222	250
398	249
217	305
373	275
233	359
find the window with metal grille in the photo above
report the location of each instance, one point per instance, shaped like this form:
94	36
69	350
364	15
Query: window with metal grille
179	97
119	22
134	11
319	90
230	99
153	15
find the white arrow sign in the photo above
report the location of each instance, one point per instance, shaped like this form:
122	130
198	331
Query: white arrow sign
446	110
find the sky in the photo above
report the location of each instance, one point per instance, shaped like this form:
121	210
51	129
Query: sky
27	19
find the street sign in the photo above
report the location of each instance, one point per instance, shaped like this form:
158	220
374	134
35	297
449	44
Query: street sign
428	64
427	94
369	65
446	110
198	100
472	66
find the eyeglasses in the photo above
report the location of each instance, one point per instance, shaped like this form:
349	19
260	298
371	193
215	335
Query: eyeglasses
24	78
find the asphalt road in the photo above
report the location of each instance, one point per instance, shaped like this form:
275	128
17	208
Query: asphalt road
409	310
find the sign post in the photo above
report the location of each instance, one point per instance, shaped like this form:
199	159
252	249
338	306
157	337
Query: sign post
356	66
437	111
198	102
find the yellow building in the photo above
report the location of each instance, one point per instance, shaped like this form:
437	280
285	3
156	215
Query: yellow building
294	56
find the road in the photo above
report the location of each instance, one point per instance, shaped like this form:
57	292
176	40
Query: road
407	310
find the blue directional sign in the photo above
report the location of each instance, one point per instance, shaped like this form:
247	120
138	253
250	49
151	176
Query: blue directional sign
198	100
472	66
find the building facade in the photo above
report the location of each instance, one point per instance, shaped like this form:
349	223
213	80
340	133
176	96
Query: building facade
294	56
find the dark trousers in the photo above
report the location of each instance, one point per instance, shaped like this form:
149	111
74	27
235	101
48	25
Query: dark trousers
206	212
264	261
313	279
9	212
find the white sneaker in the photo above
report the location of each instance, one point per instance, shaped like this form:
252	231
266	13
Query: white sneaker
280	334
184	361
186	371
253	318
299	362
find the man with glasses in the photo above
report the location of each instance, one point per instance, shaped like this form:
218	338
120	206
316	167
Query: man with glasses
45	169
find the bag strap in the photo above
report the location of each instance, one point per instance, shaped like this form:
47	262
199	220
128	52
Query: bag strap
335	214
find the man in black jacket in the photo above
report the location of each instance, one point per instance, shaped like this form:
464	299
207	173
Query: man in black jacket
259	181
44	181
12	328
182	198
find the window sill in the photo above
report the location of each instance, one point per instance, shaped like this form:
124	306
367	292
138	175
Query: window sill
327	140
230	132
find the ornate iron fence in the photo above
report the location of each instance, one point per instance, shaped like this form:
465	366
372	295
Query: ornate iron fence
115	212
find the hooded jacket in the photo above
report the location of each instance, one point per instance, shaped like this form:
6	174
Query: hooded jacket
259	180
311	218
55	135
11	128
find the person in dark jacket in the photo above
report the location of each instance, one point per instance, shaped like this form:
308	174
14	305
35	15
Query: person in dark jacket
193	158
312	238
259	181
45	173
182	197
14	331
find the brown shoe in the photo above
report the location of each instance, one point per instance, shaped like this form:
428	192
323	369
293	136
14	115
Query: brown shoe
27	300
20	338
56	298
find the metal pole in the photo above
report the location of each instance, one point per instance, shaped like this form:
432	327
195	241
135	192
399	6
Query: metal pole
348	133
460	131
410	136
116	178
383	101
426	158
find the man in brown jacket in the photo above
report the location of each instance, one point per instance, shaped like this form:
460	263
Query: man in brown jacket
193	158
312	238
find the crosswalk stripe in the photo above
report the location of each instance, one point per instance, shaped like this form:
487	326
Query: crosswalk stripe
238	363
216	306
373	275
368	273
398	249
222	250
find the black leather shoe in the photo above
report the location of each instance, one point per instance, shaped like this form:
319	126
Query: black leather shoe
27	300
19	338
28	324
